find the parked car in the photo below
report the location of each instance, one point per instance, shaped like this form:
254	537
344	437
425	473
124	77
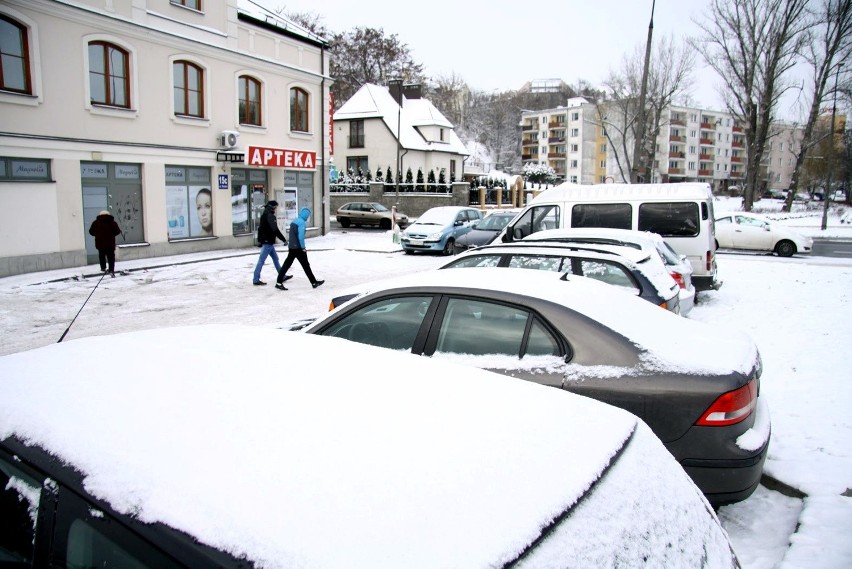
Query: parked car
485	230
369	213
438	228
678	266
775	194
640	272
746	231
324	466
697	386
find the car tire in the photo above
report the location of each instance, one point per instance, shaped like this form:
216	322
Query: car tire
408	251
344	222
449	247
785	248
385	224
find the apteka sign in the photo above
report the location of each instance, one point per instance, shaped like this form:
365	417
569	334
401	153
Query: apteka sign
281	158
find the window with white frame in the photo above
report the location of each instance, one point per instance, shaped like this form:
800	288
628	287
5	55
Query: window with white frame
575	132
15	72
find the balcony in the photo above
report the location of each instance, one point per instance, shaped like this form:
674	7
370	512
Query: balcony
708	126
706	141
529	142
736	128
678	121
676	172
675	138
705	157
737	145
556	155
556	124
528	127
677	154
556	139
737	159
705	173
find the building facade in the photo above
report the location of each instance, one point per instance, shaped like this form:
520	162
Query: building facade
393	127
180	117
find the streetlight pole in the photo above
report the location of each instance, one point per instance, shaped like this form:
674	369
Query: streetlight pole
640	128
827	194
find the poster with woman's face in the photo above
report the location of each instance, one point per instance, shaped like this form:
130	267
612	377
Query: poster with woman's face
201	211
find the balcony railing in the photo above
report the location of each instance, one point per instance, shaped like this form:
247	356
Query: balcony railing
738	145
678	121
707	157
705	172
676	171
737	159
556	124
706	141
737	128
677	154
556	155
708	126
528	127
529	142
675	138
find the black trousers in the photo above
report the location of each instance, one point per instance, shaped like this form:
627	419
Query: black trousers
302	256
107	256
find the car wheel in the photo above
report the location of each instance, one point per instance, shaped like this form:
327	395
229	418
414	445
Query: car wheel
385	224
450	247
785	248
344	222
408	251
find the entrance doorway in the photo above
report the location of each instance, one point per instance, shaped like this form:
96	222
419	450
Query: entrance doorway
248	196
116	188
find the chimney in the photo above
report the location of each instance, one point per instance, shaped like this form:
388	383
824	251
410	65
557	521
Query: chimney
412	91
395	88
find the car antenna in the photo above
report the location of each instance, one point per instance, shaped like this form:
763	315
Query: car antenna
81	309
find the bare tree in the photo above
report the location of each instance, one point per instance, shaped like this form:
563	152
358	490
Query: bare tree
669	78
367	55
827	51
450	95
753	44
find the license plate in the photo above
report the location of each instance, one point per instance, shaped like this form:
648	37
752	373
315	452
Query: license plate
416	242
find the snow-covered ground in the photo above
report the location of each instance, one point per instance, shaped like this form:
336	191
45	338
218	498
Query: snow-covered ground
797	310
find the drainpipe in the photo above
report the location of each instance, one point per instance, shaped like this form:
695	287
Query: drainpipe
326	205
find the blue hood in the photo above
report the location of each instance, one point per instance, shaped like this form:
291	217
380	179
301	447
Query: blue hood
304	213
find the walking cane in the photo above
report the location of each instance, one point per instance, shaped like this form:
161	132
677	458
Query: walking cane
81	308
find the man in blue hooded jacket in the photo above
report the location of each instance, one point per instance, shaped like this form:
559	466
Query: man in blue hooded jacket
296	250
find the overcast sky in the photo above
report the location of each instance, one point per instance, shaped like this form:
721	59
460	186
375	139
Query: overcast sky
502	45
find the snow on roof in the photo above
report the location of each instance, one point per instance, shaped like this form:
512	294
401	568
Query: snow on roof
375	101
258	12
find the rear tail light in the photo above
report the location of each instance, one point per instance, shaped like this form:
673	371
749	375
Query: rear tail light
678	279
709	261
731	407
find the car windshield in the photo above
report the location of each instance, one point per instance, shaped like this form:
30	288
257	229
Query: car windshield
494	222
438	217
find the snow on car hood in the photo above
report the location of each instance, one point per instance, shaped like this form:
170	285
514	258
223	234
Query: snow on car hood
255	442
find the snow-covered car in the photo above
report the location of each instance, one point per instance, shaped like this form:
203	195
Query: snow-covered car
678	266
158	449
485	230
586	337
640	272
438	228
750	232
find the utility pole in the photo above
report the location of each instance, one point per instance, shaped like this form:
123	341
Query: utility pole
828	193
640	127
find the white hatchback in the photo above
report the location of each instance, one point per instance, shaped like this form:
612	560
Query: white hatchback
746	231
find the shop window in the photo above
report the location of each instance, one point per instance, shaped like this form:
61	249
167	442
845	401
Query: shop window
15	70
189	202
25	170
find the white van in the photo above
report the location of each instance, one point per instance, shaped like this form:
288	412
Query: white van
682	213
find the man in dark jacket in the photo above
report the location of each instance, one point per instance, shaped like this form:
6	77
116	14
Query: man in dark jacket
267	231
104	229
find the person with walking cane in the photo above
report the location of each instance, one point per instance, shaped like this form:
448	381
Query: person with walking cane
104	229
296	250
267	231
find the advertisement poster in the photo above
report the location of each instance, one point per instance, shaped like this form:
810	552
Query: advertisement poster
201	217
288	208
176	212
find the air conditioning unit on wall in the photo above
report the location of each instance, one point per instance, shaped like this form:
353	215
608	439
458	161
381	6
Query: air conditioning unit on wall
228	139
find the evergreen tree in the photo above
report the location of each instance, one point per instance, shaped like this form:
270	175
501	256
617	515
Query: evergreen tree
379	175
389	176
420	187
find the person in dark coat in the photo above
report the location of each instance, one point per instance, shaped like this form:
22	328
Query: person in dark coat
267	231
296	250
105	229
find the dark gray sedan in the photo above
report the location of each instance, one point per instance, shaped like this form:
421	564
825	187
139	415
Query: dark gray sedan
485	230
697	386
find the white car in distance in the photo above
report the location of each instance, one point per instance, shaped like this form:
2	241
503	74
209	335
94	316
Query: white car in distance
750	232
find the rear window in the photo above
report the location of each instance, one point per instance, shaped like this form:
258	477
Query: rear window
615	215
670	219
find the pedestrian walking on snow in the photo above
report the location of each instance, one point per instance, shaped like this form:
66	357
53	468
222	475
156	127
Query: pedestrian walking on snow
296	250
104	229
267	231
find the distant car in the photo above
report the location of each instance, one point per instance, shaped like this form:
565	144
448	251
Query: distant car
485	230
678	267
369	213
746	231
697	386
638	272
775	194
438	228
324	466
